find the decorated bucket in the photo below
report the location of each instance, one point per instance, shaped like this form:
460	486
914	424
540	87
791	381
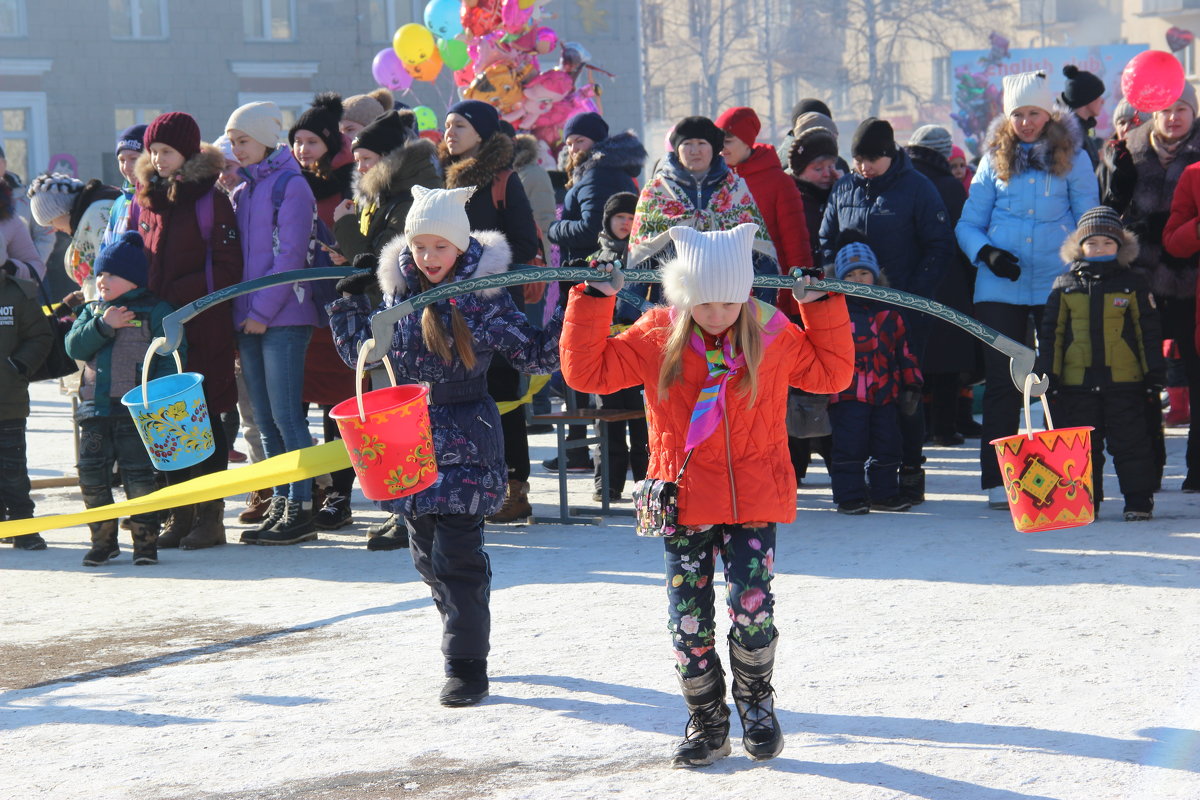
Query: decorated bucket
1047	475
387	433
171	416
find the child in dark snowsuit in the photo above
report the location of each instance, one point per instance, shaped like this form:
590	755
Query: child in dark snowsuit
866	415
614	244
113	335
1101	344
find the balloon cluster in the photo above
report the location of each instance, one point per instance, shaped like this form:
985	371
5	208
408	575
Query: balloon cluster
492	47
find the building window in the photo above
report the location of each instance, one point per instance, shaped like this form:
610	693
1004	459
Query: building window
12	18
126	116
654	23
696	17
941	78
137	19
656	103
741	91
23	132
385	16
891	84
1187	57
269	20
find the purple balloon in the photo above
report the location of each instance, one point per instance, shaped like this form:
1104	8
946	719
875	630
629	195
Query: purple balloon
388	71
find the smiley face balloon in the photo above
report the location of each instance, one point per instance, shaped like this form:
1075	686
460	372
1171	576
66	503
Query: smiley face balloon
414	44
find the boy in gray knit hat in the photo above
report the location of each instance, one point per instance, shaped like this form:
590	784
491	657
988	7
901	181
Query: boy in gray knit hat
1104	384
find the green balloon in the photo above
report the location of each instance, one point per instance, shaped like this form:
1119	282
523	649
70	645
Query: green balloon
454	53
426	118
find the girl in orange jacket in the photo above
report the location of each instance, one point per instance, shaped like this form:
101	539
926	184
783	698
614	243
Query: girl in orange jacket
739	482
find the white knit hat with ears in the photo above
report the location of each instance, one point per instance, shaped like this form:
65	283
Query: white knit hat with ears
710	267
1027	89
262	122
440	212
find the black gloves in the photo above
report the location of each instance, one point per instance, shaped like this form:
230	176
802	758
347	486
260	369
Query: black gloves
909	400
1001	262
1122	176
360	282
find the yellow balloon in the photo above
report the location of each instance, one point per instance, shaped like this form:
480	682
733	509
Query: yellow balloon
414	44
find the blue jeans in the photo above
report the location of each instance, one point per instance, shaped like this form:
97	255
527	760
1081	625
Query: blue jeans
15	500
273	368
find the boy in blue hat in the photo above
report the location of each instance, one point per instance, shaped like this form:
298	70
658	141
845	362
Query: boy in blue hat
113	335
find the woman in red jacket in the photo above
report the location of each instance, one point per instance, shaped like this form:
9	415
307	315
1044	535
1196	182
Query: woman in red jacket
773	190
192	242
739	484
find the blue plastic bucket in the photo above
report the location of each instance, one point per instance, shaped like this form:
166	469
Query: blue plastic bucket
172	420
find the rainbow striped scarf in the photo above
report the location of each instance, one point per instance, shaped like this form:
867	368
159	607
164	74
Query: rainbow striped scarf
723	364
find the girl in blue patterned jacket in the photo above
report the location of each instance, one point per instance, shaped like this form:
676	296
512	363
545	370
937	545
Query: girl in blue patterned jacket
866	416
449	346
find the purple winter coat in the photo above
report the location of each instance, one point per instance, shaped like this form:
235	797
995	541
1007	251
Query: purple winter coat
290	304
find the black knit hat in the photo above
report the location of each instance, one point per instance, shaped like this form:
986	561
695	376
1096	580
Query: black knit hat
810	104
1082	87
322	118
810	145
698	128
619	203
873	139
1101	221
387	132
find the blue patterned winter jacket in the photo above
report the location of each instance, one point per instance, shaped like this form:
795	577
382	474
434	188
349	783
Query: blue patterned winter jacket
467	441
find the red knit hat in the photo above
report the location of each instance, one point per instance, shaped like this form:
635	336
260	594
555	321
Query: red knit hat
741	122
175	129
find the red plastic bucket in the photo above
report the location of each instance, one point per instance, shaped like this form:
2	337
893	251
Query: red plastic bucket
390	442
1048	478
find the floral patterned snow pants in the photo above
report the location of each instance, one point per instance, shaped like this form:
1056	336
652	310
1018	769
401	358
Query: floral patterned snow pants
748	555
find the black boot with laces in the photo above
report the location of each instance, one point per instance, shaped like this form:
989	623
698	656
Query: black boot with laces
706	737
754	695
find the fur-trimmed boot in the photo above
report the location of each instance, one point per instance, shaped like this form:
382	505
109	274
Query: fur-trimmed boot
754	695
104	543
145	543
706	737
179	524
516	504
208	530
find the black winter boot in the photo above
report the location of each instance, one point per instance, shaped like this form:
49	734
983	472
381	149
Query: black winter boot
145	543
178	525
295	526
912	485
753	693
275	508
104	543
467	682
706	737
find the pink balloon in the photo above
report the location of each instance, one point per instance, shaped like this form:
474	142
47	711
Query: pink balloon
1152	81
388	71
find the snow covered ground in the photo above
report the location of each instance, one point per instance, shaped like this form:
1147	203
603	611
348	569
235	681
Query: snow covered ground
933	654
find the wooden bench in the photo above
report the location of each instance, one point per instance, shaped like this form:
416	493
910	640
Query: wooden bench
600	417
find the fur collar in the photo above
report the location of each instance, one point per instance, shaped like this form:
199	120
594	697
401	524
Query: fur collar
525	150
623	151
1072	249
488	254
396	173
495	156
198	174
1054	152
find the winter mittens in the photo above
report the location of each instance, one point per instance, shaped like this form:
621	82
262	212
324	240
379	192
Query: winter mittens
1001	262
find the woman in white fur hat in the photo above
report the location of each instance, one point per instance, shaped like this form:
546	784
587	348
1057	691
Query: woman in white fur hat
1034	183
716	365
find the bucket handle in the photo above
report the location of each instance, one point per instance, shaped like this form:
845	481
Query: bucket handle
1030	381
150	353
363	349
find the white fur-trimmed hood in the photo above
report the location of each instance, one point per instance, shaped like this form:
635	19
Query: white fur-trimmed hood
488	254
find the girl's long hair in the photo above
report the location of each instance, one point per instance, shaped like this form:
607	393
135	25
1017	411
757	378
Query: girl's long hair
747	339
433	331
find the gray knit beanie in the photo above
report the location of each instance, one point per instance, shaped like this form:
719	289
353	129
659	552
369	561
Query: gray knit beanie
933	137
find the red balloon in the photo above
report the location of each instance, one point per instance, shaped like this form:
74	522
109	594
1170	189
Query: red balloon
1152	81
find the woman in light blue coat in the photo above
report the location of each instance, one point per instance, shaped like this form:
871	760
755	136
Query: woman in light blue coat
1034	183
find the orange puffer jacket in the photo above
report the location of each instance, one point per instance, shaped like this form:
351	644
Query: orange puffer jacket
742	473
